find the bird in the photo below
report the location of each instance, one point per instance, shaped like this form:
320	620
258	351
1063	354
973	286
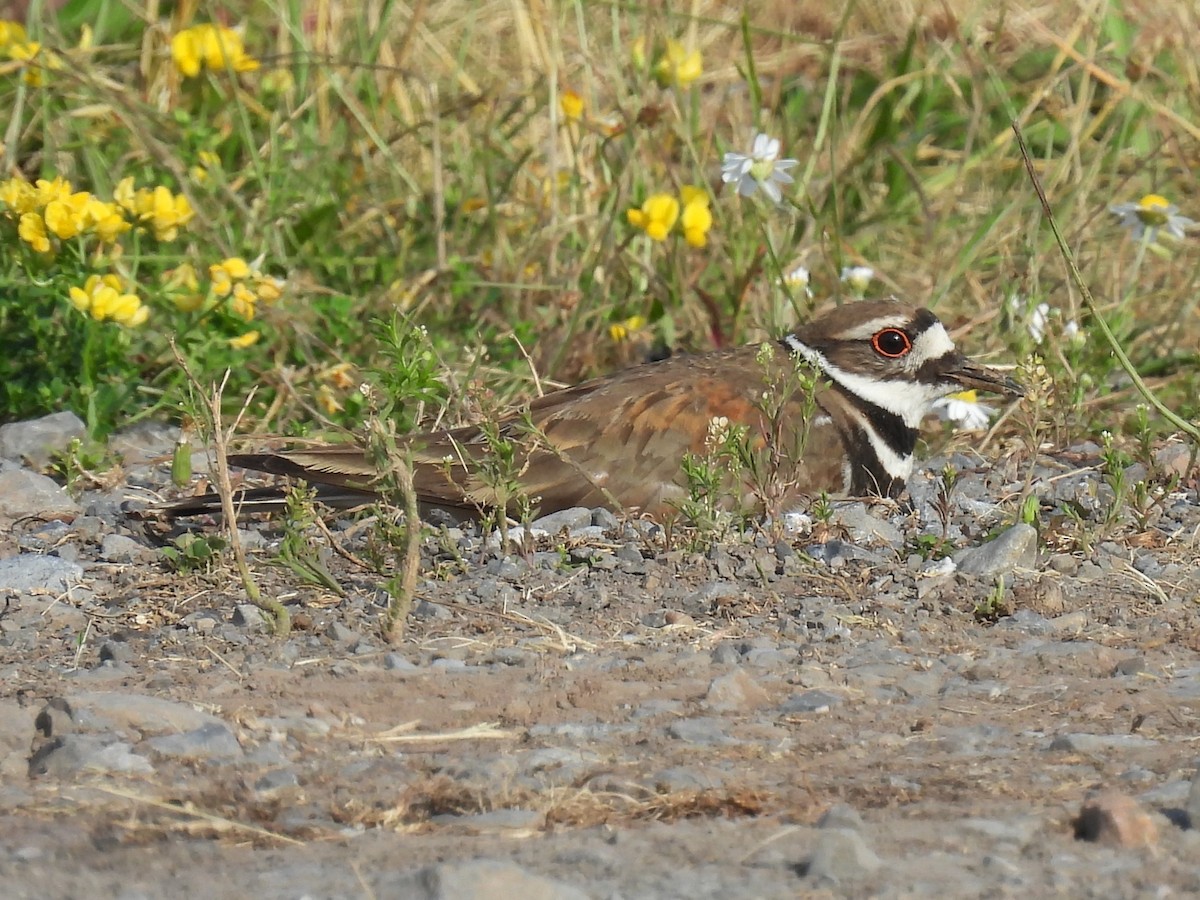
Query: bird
835	405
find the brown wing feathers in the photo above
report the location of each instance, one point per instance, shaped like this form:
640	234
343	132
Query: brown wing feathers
588	445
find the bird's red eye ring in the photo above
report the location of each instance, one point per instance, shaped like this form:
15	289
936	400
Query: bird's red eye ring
891	342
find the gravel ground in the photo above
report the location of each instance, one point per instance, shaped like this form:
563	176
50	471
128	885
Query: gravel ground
613	712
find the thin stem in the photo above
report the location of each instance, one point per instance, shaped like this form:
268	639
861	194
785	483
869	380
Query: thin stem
1118	351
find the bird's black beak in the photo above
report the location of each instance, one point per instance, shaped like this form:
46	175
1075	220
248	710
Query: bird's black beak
973	376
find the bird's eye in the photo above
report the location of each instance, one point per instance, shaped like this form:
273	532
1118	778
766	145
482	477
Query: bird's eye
891	342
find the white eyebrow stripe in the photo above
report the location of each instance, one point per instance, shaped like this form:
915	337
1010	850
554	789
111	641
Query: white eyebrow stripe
932	343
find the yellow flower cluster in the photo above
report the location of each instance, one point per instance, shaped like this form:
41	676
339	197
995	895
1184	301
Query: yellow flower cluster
165	213
571	104
673	64
210	46
48	209
244	285
658	215
104	297
15	45
54	208
621	331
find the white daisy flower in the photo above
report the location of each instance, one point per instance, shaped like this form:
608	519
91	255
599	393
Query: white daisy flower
964	410
1073	333
1150	215
762	168
797	280
1037	322
858	277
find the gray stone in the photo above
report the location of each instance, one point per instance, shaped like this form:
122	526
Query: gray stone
250	617
1015	548
114	651
435	611
810	702
73	754
473	879
341	633
36	441
397	662
865	528
702	598
734	692
213	742
1134	665
202	620
838	553
1193	802
119	712
118	548
603	518
497	819
700	730
687	778
1064	563
1099	743
144	442
1173	458
726	653
841	815
27	493
841	855
1026	621
572	520
630	553
276	780
28	572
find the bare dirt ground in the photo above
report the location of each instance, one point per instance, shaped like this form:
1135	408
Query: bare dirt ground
607	717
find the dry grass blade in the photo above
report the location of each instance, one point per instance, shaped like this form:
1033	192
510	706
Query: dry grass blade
485	731
218	823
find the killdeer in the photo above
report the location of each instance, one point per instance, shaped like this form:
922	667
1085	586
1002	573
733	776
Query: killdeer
619	441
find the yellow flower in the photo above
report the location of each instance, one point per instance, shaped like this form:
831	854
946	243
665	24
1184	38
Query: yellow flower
656	216
209	163
125	195
242	341
243	301
32	230
67	217
267	288
233	268
48	191
327	401
166	212
678	66
104	220
28	52
339	375
18	195
620	331
102	298
571	105
697	218
211	46
11	33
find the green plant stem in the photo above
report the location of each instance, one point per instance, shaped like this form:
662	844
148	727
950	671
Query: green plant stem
402	600
1077	278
